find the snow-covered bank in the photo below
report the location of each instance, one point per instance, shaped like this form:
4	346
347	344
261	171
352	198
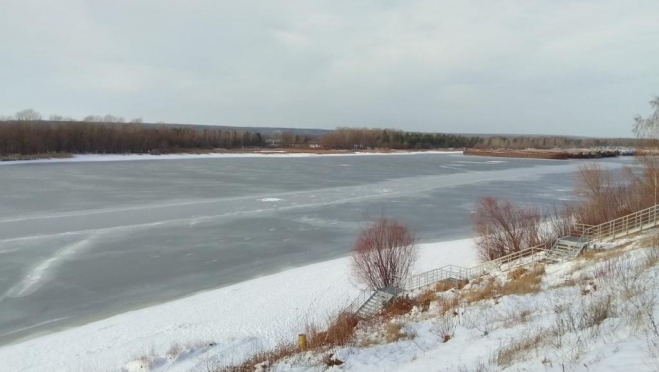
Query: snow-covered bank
599	312
264	154
237	318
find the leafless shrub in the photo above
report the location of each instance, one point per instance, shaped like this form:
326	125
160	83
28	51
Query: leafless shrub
384	254
174	351
505	228
596	312
483	322
448	305
604	199
516	317
443	328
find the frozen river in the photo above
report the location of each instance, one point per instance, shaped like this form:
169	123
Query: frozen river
83	241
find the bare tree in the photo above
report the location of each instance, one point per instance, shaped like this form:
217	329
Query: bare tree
28	115
505	228
384	254
113	119
137	121
92	119
56	117
648	128
606	197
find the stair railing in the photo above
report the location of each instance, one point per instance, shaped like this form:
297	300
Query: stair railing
520	258
623	225
360	301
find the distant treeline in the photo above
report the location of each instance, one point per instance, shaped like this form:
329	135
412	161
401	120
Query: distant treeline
351	138
23	137
42	137
27	133
553	142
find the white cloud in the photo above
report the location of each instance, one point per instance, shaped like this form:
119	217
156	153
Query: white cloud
571	67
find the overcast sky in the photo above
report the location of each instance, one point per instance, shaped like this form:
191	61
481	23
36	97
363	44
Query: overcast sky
545	66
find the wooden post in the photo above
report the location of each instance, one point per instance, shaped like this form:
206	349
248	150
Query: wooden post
302	341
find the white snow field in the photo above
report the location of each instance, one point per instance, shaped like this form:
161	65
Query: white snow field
238	319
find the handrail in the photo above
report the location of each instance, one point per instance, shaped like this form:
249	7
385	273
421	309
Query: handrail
590	233
355	305
466	273
613	228
622	225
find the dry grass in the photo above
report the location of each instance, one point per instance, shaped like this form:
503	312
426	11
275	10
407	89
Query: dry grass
281	352
447	285
393	332
515	349
448	305
651	258
649	241
339	332
527	283
398	307
429	295
522	281
517	317
486	291
603	254
516	273
596	312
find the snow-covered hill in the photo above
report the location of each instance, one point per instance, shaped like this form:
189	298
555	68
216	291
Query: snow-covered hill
597	313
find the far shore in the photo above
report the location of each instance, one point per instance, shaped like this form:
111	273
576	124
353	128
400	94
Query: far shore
220	153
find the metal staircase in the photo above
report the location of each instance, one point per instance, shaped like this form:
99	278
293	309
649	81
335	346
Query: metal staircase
565	248
569	247
376	302
370	302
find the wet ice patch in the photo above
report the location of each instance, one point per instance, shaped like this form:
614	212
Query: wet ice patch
270	199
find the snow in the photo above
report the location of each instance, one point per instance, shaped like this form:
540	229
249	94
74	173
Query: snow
561	331
235	320
226	325
85	158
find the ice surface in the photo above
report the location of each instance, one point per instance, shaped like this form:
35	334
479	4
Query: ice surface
81	241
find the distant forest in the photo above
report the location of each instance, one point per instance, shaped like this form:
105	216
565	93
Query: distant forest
27	134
